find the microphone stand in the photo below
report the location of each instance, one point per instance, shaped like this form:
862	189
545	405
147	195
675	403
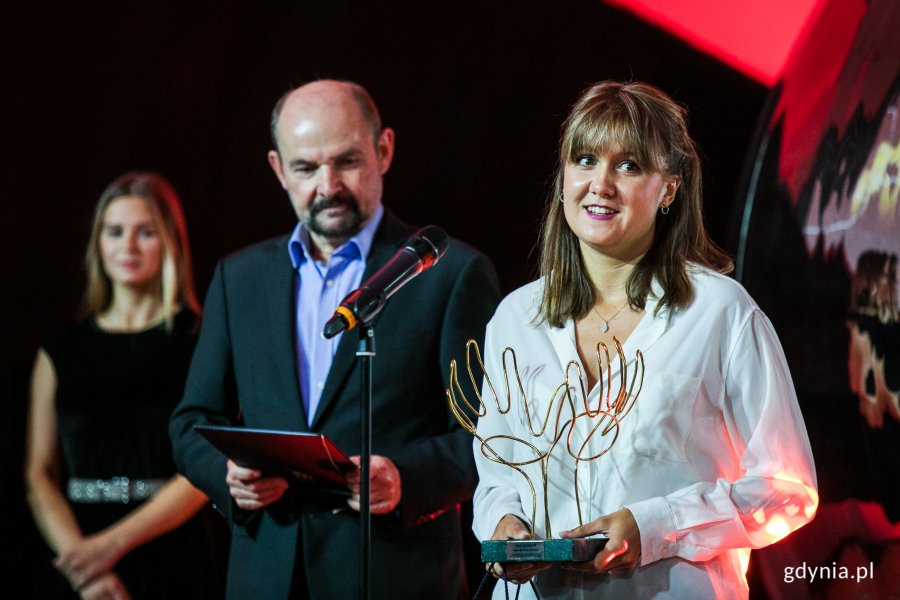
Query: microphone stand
366	352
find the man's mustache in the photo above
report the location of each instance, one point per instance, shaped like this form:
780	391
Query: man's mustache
327	202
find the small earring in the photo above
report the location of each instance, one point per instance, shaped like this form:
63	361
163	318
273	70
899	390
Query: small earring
561	198
665	209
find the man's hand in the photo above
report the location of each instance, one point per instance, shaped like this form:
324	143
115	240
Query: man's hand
622	552
511	527
252	491
384	485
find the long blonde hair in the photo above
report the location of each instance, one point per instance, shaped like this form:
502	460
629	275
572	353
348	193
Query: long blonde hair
176	278
642	118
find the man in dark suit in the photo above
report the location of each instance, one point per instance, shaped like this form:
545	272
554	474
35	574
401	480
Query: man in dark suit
261	362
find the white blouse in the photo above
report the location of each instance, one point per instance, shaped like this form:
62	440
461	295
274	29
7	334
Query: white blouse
712	459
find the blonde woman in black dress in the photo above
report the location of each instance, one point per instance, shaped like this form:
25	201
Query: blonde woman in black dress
101	483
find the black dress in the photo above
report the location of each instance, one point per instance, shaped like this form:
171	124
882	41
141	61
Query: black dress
114	397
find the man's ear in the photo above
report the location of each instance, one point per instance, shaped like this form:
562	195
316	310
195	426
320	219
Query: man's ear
385	149
275	163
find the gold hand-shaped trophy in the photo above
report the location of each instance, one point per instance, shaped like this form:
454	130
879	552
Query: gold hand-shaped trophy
602	425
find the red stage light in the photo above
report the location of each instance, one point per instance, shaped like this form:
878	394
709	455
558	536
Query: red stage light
753	36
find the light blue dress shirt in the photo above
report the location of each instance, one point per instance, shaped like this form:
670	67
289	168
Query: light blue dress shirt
320	287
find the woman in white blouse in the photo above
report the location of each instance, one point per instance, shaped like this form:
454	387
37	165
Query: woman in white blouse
712	459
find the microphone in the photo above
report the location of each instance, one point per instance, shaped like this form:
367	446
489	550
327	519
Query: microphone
421	251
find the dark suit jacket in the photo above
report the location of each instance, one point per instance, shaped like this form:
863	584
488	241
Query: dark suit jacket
243	371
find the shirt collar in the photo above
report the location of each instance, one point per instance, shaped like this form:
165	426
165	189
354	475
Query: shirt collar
299	243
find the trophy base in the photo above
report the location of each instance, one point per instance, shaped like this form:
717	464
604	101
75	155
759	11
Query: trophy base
571	550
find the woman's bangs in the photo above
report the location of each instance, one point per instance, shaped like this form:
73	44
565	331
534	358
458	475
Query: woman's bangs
606	132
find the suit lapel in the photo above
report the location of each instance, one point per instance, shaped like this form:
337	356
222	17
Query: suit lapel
390	234
280	294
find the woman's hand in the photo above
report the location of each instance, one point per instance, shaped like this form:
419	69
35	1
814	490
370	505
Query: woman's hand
106	587
622	552
89	557
511	527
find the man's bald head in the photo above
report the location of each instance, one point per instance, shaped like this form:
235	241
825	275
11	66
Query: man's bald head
329	91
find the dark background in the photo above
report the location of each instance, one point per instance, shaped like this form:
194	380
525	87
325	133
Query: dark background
476	92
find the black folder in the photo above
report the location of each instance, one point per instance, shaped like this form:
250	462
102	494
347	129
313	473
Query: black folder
306	458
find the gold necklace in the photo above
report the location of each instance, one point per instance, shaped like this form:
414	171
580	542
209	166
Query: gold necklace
604	327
